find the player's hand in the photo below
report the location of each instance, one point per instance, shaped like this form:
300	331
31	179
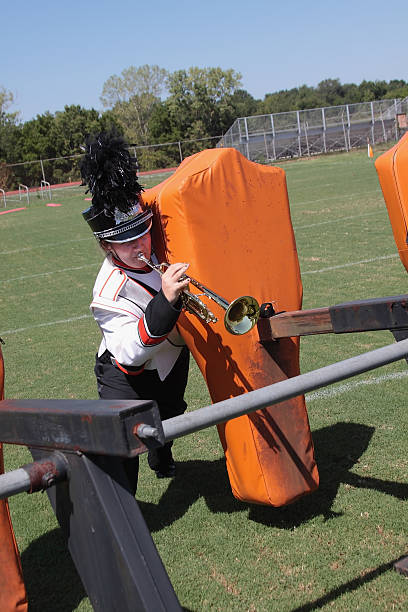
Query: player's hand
173	283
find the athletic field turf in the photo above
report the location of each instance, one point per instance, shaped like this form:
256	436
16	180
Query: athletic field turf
331	550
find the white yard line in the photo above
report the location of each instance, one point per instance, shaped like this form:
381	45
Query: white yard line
350	386
43	246
23	329
326	393
19	278
347	265
298	227
337	197
293	183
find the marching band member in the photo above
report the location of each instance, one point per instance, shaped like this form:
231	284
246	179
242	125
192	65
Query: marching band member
141	355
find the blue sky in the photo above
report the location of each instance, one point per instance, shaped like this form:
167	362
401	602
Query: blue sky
57	53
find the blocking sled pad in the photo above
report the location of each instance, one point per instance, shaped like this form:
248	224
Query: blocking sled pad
392	170
12	589
229	218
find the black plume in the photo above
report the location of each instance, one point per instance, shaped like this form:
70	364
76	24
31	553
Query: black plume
110	173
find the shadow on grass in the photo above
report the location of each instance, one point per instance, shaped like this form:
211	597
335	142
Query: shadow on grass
195	479
50	576
338	447
347	587
53	582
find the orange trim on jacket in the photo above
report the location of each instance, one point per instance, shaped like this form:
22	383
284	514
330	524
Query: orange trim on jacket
125	371
108	279
145	337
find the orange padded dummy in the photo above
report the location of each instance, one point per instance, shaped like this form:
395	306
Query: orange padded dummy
12	591
392	169
229	218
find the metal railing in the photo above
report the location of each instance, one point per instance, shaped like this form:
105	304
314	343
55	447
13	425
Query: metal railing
265	138
45	187
23	191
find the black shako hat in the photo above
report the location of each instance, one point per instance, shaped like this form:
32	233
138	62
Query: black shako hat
111	175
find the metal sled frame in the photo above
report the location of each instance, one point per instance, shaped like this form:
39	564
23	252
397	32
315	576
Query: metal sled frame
79	447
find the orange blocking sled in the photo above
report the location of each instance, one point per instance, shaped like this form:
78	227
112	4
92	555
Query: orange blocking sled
229	218
12	590
392	170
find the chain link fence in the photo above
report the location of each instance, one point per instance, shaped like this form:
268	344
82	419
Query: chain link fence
266	138
61	170
262	138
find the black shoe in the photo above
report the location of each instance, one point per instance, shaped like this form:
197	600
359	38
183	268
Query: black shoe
166	471
161	461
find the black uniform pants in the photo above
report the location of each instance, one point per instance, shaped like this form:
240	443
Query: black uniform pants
169	394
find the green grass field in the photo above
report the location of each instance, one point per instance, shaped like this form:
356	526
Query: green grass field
331	550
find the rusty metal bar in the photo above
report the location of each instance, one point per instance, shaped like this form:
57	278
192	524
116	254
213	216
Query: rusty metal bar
349	317
108	538
90	426
295	323
14	482
401	566
36	476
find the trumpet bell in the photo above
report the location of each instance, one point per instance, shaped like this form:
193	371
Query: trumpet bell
241	315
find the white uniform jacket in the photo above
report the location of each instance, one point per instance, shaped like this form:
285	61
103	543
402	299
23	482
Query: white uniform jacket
138	327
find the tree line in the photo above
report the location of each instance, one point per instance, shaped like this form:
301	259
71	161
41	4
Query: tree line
150	105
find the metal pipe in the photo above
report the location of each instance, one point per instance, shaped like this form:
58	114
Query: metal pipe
146	431
14	482
299	129
273	136
281	391
306	126
36	476
42	169
348	126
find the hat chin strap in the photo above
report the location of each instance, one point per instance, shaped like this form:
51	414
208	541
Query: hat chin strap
108	248
112	251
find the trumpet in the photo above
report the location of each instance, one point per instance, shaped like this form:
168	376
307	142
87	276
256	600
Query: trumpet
241	315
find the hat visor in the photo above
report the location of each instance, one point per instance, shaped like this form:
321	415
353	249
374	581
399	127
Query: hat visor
132	234
130	229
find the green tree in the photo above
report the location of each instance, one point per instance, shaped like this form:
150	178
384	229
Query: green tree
351	93
132	96
160	126
242	104
306	97
397	88
9	126
372	90
71	126
202	103
57	135
7	100
331	92
200	100
9	137
35	141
